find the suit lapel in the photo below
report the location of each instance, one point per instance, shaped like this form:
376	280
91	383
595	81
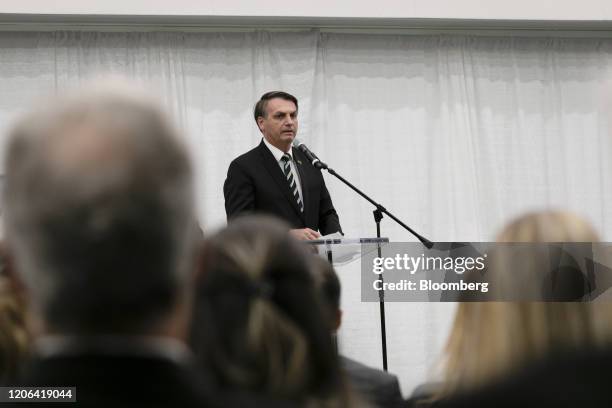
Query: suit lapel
279	178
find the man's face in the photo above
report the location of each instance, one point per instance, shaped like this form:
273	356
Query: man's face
280	125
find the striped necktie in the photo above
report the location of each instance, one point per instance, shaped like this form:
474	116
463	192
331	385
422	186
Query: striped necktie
286	159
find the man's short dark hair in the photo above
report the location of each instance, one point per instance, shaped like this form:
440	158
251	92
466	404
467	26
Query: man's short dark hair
262	104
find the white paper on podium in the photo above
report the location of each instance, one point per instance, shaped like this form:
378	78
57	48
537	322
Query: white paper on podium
332	236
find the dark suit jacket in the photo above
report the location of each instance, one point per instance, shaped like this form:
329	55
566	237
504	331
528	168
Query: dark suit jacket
120	381
375	386
572	380
256	183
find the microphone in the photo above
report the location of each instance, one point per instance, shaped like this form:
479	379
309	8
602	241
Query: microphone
314	160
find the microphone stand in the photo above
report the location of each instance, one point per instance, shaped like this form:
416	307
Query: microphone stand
378	216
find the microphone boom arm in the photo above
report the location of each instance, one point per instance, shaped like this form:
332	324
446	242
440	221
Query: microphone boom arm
379	208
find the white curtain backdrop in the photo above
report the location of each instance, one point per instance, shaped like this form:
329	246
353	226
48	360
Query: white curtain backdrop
453	134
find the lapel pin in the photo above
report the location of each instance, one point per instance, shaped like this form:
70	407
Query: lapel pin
299	162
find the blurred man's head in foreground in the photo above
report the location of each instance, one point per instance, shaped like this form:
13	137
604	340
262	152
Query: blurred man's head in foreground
99	211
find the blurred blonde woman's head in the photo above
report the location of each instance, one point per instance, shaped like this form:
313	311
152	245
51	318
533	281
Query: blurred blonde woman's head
259	324
548	226
489	339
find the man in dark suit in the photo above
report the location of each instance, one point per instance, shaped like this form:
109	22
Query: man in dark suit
276	179
376	386
99	222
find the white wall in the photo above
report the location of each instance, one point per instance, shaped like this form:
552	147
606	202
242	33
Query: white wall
585	10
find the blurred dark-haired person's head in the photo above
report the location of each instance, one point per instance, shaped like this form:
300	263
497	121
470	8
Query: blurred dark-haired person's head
259	325
376	387
330	290
99	221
